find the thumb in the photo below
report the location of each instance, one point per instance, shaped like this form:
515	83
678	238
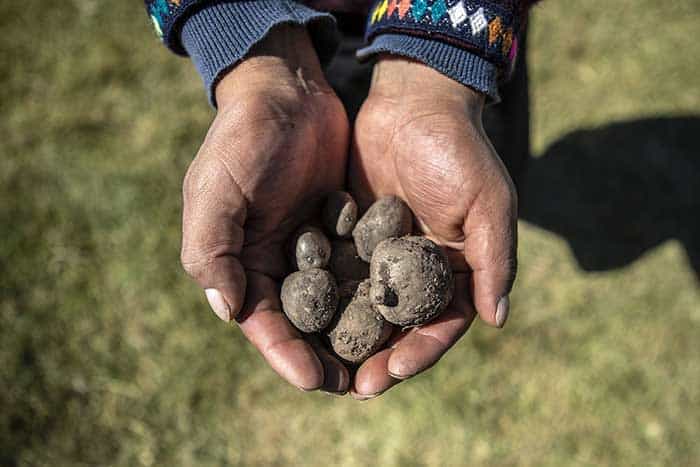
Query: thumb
490	244
214	212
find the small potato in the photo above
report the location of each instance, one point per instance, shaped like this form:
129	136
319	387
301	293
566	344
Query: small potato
412	280
339	214
309	299
358	331
312	249
387	217
345	263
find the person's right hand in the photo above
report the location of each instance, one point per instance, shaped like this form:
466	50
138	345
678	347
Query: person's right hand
278	143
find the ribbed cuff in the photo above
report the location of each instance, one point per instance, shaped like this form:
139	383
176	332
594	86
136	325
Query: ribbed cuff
454	62
220	35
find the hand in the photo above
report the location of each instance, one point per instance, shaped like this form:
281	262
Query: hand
419	136
278	143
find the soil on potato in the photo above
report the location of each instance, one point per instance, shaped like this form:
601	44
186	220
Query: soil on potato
388	217
411	279
309	299
358	330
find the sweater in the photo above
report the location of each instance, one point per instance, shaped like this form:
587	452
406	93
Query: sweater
474	42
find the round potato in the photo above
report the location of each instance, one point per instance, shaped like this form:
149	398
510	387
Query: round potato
312	249
309	299
412	280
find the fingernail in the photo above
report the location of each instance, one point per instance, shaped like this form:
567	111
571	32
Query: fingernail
363	397
335	381
218	304
401	377
335	394
502	311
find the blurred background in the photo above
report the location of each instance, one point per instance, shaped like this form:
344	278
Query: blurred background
110	356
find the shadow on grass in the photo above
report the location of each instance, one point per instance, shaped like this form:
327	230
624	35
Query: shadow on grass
615	192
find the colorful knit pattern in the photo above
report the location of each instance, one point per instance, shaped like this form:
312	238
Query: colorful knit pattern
486	28
165	14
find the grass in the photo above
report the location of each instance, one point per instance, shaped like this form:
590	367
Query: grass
109	356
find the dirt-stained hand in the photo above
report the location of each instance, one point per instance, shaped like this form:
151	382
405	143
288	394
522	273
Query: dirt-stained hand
419	136
278	143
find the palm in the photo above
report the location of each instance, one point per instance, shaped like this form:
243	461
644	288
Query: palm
423	162
266	160
442	165
282	163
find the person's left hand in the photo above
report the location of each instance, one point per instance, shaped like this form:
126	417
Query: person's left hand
419	136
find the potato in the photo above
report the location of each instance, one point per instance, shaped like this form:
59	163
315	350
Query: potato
345	263
387	217
339	214
358	331
412	280
312	249
309	299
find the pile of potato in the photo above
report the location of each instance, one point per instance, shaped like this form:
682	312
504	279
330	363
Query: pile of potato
370	276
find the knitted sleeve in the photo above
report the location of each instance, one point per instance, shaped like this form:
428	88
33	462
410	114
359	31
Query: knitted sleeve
472	41
218	34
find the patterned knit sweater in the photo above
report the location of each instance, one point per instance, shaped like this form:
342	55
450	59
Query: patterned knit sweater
472	41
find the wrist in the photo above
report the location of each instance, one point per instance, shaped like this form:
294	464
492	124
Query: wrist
407	81
285	61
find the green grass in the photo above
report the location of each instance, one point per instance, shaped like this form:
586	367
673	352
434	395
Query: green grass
108	354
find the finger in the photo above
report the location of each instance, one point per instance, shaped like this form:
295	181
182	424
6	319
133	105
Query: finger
423	346
415	350
372	377
490	232
214	211
282	346
336	378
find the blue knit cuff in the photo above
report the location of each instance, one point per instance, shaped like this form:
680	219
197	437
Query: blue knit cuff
454	62
486	28
218	36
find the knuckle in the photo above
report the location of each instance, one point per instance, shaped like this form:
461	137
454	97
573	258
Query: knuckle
192	263
196	263
197	180
510	264
511	270
192	181
504	258
506	193
209	172
503	267
197	260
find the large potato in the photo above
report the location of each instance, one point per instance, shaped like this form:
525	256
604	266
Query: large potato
411	279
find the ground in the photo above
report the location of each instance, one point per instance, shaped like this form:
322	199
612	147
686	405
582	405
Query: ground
109	355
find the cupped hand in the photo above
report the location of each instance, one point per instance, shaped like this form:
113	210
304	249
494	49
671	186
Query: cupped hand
419	136
278	143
